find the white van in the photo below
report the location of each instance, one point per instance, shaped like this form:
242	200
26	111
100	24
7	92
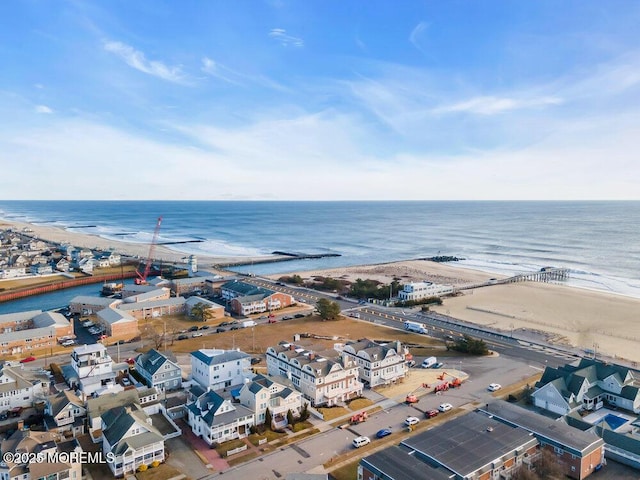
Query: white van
361	441
429	362
248	323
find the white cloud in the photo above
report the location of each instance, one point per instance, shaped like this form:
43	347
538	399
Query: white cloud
43	109
417	34
489	105
280	34
136	59
219	71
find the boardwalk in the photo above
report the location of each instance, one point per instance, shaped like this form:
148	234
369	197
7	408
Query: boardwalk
543	275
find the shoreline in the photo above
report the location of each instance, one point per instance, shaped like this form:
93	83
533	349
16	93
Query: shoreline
580	317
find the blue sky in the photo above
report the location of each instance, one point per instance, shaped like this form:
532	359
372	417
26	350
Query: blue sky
319	100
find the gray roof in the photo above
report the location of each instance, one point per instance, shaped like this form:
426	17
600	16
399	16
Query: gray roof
113	315
227	356
97	406
88	300
145	296
399	464
555	432
245	289
18	316
34	333
49	319
470	442
141	305
61	400
152	361
118	420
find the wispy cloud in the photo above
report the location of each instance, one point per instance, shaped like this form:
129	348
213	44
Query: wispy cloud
280	35
136	59
43	109
217	70
489	105
417	35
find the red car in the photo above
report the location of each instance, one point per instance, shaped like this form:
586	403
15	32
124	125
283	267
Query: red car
28	359
431	413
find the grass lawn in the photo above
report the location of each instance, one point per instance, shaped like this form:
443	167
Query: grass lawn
223	448
161	472
268	434
359	403
346	472
256	340
333	412
302	425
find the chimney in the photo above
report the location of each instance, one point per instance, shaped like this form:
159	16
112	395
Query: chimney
312	356
291	347
20	424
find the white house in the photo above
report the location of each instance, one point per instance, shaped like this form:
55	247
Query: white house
262	393
129	435
587	384
20	387
218	369
320	380
216	419
93	369
419	290
378	364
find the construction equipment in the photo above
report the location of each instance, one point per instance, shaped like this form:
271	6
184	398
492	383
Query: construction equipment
358	418
412	397
141	278
445	384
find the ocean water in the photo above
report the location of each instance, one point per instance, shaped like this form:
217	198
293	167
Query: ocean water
597	241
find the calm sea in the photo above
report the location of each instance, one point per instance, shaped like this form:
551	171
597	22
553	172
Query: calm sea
597	241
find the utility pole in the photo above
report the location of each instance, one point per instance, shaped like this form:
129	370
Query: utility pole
164	334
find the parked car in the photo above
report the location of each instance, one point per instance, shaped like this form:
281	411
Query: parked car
272	320
220	330
383	433
126	382
262	317
183	337
4	415
196	334
445	407
204	327
255	360
361	441
235	327
411	421
87	323
299	315
287	317
193	329
28	359
68	343
494	387
437	365
431	413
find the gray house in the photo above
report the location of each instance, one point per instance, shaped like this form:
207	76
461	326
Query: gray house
159	370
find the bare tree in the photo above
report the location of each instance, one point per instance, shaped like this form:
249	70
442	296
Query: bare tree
150	333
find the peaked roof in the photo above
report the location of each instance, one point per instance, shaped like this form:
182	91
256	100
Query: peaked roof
152	360
62	399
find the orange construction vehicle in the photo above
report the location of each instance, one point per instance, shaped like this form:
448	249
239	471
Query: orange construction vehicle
412	397
358	418
445	384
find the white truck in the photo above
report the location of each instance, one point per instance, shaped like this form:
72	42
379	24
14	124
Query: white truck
415	327
429	362
249	323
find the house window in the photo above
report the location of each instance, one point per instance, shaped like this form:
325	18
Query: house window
559	451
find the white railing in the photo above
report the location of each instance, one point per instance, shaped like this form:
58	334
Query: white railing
236	450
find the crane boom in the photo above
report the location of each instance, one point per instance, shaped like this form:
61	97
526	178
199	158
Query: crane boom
142	277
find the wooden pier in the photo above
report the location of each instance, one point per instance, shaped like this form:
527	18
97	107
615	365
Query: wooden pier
547	274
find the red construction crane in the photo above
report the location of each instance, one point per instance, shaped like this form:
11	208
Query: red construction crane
141	278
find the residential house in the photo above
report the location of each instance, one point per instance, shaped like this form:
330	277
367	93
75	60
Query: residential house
146	398
20	386
587	384
321	380
32	443
93	369
262	393
415	291
128	434
216	419
63	265
13	272
378	364
219	369
86	265
159	370
65	412
41	269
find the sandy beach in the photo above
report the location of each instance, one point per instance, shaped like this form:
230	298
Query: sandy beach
581	318
585	319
